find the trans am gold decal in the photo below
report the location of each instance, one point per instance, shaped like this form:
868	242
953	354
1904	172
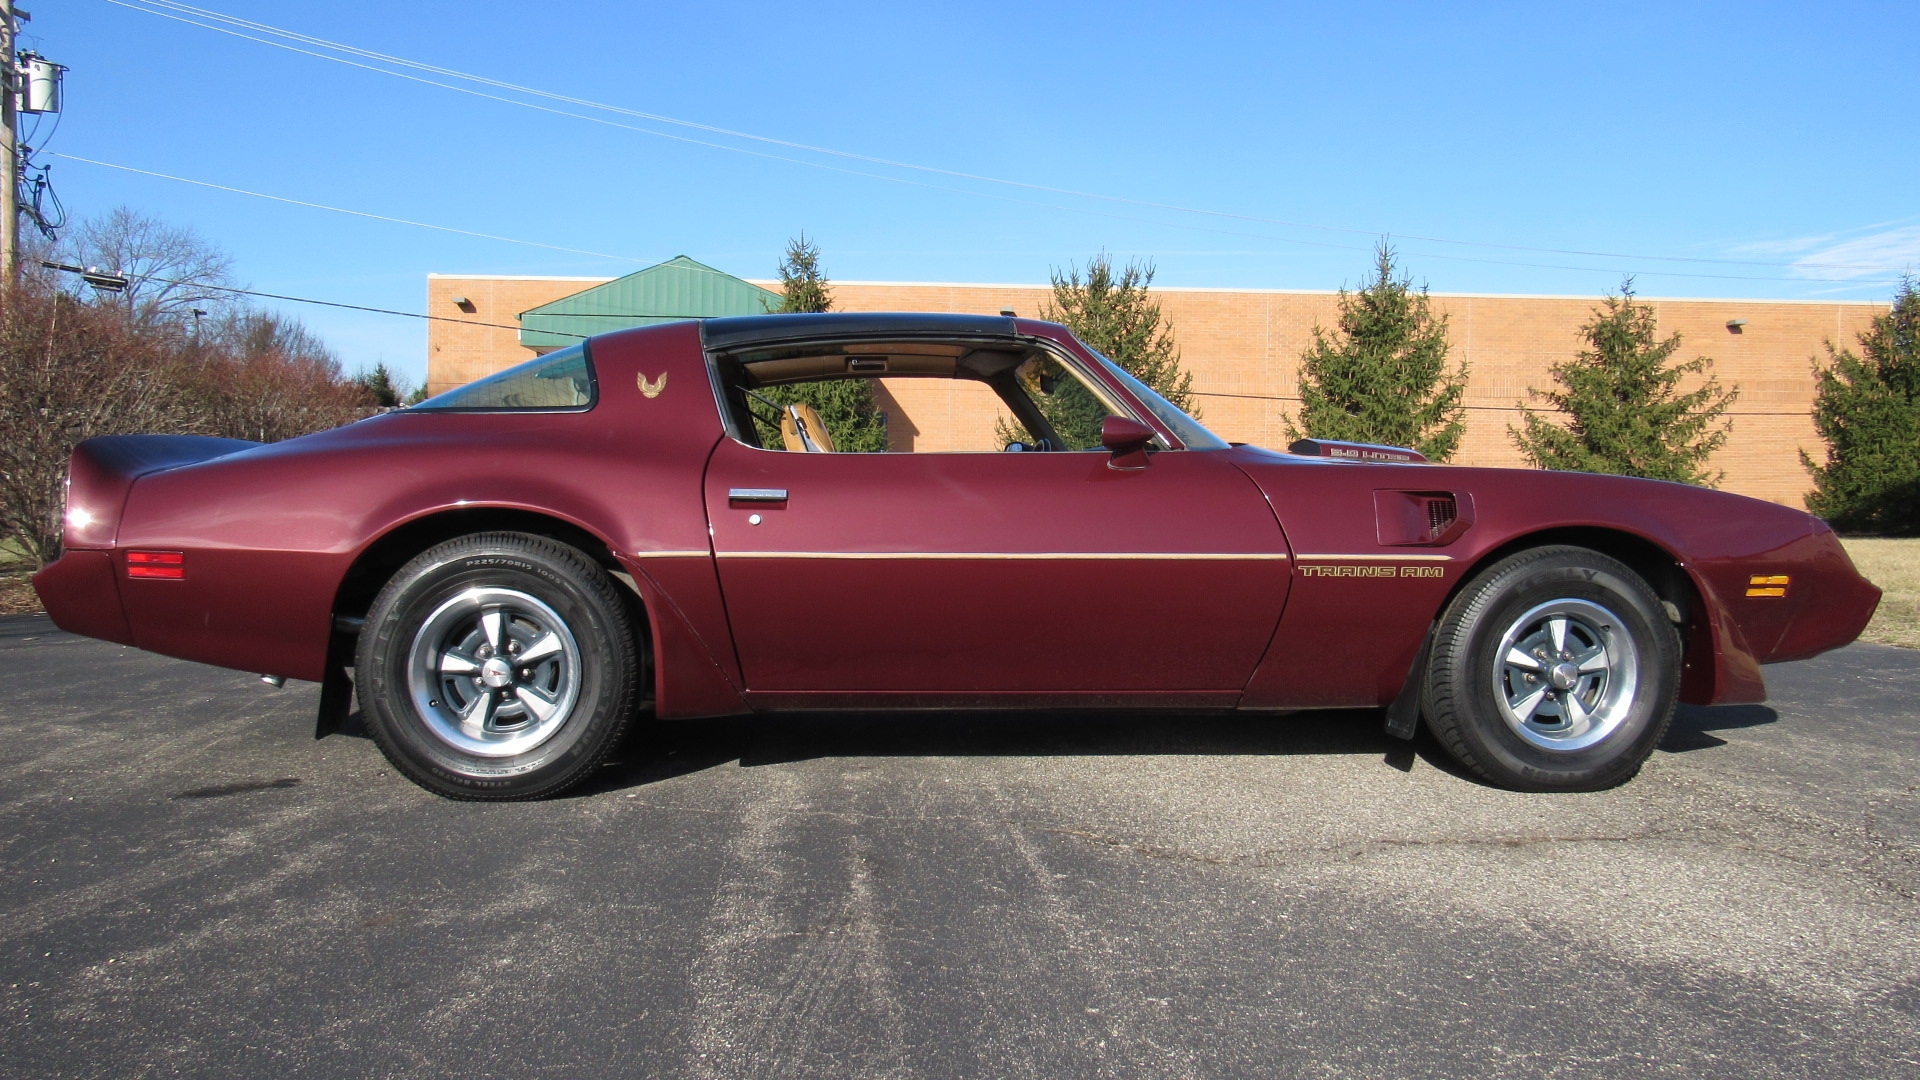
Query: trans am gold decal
1350	570
652	389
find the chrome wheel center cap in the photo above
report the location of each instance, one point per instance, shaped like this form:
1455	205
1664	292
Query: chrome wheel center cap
496	673
1563	676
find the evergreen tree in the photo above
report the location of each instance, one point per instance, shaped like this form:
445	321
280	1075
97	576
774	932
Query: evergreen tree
1114	314
803	284
379	386
1867	408
1623	409
1382	377
846	406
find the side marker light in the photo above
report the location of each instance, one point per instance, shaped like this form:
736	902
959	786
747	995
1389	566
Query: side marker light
1767	585
165	565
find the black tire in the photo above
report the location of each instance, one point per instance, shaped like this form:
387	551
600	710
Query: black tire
505	729
1529	714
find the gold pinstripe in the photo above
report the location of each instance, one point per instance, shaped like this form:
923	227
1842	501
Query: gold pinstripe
957	555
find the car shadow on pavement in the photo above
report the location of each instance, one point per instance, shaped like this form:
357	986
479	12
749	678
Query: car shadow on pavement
666	749
1693	723
663	750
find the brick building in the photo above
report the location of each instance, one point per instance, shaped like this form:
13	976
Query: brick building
1243	347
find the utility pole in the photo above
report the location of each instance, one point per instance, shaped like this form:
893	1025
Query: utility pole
9	155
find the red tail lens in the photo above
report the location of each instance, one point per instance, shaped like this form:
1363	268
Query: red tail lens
167	565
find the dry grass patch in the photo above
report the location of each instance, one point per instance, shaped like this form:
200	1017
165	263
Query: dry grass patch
16	592
1894	565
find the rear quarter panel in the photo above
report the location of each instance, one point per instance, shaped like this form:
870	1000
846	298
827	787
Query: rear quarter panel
270	534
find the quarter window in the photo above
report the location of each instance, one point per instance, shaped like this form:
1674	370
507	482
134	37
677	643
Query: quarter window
562	379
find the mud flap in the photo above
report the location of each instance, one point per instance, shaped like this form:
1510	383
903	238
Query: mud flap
1403	716
336	686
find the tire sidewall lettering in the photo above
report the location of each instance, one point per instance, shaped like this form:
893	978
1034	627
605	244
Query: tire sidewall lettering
606	665
1475	625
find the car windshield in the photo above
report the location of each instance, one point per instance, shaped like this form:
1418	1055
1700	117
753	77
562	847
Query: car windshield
1184	427
562	379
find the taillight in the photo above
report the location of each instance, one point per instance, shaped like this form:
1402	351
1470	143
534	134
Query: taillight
166	565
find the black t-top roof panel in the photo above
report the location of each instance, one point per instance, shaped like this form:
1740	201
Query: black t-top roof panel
739	331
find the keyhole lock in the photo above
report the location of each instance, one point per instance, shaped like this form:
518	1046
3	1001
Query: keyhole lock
753	519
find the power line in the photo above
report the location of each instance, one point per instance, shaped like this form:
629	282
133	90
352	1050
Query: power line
559	333
305	300
916	183
342	210
172	9
364	213
1479	408
1003	198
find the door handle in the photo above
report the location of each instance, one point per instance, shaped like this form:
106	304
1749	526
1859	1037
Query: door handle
766	495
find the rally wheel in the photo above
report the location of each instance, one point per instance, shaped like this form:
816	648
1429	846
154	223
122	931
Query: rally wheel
497	666
1554	669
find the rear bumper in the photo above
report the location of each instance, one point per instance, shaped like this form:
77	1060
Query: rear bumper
83	597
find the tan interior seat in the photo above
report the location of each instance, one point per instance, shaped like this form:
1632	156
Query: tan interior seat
801	430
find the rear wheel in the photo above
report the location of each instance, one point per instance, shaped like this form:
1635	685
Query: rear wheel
1555	669
497	666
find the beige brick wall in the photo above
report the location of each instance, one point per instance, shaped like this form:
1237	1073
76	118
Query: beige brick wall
466	345
1249	343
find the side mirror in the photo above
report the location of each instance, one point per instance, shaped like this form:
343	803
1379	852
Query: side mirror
1128	440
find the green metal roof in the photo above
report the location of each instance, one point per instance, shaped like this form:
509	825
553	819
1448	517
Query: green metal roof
679	288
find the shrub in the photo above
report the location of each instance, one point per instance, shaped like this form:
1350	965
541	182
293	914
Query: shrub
71	370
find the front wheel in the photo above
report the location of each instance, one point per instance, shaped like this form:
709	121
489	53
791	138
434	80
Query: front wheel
1555	669
497	666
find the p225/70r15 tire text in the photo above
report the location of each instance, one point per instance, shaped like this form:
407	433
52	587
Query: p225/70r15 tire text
497	666
1554	669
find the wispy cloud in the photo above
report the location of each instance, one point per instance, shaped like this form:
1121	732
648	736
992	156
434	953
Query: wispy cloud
1794	246
1895	248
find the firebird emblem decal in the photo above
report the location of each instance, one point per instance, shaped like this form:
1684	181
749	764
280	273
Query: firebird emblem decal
652	389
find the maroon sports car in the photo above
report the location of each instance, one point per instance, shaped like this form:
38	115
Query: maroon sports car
655	521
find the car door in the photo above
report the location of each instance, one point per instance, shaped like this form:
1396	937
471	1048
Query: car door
994	573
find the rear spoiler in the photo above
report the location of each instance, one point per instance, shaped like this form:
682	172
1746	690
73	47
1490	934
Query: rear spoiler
103	470
1354	451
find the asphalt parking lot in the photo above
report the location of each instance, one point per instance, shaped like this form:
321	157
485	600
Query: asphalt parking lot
193	886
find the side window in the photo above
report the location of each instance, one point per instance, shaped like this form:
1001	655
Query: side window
829	416
913	397
1072	404
948	416
872	415
562	379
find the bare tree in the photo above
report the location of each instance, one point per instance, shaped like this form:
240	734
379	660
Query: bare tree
70	371
262	376
75	364
170	270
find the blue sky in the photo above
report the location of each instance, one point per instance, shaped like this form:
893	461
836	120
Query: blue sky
1777	139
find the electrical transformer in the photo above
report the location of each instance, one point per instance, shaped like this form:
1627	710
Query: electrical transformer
39	84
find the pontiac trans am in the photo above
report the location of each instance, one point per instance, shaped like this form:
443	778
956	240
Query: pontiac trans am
653	523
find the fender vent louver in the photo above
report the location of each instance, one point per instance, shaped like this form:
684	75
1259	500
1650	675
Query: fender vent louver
1422	518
